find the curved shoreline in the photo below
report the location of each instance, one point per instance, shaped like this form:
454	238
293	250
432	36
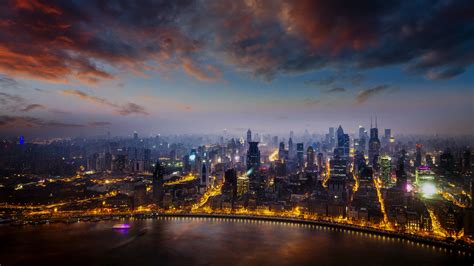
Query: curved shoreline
441	244
447	246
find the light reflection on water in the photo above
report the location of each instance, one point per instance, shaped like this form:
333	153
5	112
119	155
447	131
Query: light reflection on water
207	241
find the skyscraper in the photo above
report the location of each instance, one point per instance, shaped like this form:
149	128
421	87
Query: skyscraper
310	158
158	182
290	148
401	174
253	156
362	140
386	169
229	188
249	136
374	146
300	154
343	143
204	179
418	155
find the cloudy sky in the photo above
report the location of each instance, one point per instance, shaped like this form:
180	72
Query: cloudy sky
74	67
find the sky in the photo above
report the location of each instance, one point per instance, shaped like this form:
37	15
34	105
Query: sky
84	68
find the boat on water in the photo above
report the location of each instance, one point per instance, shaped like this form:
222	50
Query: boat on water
121	226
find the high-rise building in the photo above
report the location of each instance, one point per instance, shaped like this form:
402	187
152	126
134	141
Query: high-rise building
282	153
402	178
204	175
332	139
386	169
290	148
374	146
310	158
253	157
338	167
229	189
242	185
300	154
343	143
320	161
418	155
249	136
388	134
362	141
157	183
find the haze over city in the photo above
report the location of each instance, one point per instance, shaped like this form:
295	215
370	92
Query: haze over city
236	132
85	68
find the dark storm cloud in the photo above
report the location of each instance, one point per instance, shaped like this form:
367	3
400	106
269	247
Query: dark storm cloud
364	95
33	106
60	40
122	109
32	122
88	41
270	37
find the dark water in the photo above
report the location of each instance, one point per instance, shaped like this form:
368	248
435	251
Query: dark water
194	241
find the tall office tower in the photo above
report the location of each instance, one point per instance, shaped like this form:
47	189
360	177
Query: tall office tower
388	134
338	168
418	155
374	146
401	174
332	141
290	148
253	157
310	158
204	178
282	152
320	161
157	183
249	136
292	135
229	189
362	139
300	154
343	143
386	169
446	162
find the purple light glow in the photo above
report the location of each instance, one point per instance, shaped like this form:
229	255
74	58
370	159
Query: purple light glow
121	226
423	168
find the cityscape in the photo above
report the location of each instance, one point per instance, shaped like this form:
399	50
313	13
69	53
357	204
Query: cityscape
249	132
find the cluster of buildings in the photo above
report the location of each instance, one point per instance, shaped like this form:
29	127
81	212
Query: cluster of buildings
412	184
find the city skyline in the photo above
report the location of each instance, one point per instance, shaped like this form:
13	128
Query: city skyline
158	67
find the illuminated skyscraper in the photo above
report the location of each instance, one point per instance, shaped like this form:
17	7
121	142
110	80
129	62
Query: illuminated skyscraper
300	154
253	157
402	177
229	189
290	148
204	177
418	155
362	140
158	182
374	146
386	169
343	143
